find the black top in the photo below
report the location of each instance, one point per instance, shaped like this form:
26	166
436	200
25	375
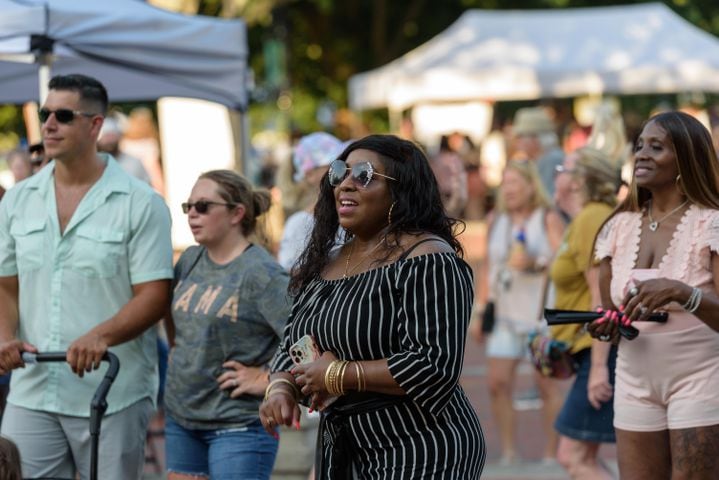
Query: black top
414	313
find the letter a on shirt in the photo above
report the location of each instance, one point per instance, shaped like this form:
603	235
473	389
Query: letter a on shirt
229	309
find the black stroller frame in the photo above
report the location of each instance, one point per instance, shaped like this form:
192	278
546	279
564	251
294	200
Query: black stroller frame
98	406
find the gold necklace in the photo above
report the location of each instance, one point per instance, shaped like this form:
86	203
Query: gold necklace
348	270
654	224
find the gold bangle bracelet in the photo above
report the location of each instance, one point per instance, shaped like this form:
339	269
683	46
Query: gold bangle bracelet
336	378
341	378
281	391
357	373
328	376
277	381
362	380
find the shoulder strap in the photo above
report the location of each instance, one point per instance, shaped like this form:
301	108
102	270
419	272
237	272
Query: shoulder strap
406	253
543	300
196	258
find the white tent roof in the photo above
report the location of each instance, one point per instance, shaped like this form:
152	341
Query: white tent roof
530	54
138	51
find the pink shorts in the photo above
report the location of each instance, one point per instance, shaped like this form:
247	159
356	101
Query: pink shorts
668	381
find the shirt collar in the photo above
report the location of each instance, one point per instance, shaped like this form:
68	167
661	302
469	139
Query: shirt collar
113	178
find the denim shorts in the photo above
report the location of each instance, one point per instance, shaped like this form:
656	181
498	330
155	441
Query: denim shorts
247	452
504	342
578	419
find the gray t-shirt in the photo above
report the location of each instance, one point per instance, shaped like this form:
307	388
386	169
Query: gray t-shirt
222	312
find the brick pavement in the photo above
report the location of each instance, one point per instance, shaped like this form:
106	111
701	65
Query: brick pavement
529	429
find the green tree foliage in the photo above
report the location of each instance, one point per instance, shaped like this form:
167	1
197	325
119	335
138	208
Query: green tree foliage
12	127
303	52
328	41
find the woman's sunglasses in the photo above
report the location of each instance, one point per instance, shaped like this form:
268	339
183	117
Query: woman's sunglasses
361	173
62	115
562	169
202	206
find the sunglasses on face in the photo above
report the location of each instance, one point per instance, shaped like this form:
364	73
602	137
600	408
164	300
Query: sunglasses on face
202	206
62	115
361	173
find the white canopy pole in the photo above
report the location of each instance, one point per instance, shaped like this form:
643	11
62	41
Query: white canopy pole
44	61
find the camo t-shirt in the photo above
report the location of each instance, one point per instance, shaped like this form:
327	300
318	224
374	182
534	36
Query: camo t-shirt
226	312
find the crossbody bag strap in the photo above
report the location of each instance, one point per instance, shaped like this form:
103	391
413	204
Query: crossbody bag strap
547	280
196	258
543	299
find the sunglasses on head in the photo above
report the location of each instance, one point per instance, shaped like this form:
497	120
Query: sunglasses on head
361	173
562	169
62	115
202	206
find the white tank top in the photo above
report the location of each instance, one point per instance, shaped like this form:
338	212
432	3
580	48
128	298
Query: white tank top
518	294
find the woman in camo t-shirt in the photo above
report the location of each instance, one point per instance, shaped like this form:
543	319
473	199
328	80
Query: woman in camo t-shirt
228	311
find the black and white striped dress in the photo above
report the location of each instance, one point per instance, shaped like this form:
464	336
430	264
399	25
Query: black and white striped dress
414	313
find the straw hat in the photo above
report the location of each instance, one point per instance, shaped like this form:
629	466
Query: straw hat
532	121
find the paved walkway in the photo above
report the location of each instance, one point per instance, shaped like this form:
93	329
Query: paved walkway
530	434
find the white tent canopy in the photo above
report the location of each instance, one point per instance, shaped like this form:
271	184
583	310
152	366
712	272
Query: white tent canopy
137	51
531	54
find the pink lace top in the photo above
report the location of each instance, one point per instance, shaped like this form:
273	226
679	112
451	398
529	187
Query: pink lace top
687	259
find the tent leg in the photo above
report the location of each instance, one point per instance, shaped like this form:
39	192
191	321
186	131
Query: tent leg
241	128
245	167
43	75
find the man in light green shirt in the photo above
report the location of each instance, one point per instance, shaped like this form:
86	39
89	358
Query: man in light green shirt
85	263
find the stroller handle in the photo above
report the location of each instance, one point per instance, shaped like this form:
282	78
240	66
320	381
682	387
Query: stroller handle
98	406
98	400
109	357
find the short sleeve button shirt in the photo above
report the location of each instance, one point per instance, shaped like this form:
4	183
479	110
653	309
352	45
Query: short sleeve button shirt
118	236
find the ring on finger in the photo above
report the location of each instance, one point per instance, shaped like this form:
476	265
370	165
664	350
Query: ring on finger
634	291
604	338
643	309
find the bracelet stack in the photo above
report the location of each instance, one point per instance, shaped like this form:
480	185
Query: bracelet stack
361	380
694	300
334	377
270	390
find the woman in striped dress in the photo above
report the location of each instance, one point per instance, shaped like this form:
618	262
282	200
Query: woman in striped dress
388	311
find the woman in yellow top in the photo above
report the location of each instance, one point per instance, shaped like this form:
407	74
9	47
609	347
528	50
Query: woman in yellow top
585	188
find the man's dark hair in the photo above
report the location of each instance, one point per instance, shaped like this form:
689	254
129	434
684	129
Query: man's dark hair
91	91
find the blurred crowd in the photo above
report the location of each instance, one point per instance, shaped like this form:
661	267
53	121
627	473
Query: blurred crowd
541	184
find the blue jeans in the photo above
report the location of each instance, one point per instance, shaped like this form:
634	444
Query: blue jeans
247	453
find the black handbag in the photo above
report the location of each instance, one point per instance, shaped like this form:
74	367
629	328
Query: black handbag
488	318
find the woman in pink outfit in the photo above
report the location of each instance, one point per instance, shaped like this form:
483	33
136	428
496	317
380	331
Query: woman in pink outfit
658	252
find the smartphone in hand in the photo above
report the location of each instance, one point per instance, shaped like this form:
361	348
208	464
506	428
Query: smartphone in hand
305	350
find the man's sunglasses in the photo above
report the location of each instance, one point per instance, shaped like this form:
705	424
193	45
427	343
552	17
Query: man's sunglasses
361	173
62	115
202	206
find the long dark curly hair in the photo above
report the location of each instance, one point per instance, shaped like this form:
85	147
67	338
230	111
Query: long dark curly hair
417	206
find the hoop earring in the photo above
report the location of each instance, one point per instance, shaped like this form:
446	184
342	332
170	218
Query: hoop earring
679	184
389	214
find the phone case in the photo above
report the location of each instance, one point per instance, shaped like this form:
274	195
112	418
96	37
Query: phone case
304	351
